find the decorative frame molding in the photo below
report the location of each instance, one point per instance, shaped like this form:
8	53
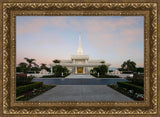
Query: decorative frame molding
8	46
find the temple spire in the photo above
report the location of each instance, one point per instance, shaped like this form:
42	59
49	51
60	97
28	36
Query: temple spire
79	50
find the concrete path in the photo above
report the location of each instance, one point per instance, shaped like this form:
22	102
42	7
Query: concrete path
81	93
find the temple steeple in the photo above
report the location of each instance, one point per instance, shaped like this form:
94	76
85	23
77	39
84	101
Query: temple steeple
79	50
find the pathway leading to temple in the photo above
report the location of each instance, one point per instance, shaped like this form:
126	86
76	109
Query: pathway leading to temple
81	93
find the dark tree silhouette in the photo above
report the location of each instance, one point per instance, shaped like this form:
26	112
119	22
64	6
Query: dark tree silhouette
128	66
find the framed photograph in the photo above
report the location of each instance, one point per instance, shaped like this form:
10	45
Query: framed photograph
72	58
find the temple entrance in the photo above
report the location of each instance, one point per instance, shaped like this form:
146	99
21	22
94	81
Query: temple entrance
79	70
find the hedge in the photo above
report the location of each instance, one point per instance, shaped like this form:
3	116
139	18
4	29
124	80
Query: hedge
29	87
48	76
130	86
105	76
21	80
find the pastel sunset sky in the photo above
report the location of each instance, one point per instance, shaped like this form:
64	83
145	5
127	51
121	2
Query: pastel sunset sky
112	38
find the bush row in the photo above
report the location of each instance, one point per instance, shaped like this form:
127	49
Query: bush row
130	86
48	76
138	79
130	93
109	76
22	79
30	94
29	87
105	76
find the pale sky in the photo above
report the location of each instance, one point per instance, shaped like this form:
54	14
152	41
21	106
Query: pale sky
112	38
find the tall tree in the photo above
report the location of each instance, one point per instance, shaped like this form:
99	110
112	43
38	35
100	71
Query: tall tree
101	69
43	66
58	70
22	67
128	65
102	62
140	70
35	68
30	62
56	61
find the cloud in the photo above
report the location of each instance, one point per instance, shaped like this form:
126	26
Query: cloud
48	39
112	36
36	25
92	25
33	26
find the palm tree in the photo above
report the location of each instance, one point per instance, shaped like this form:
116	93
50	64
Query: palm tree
56	61
128	65
102	62
43	66
30	62
22	67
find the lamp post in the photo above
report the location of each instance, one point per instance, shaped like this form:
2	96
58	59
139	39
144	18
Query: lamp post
51	70
98	74
62	74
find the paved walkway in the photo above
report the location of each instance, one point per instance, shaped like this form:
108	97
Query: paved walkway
81	93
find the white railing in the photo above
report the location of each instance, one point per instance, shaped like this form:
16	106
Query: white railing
38	75
82	64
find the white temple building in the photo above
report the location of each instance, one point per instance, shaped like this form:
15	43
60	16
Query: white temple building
79	63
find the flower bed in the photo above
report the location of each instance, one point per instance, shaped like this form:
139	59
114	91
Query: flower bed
32	93
21	75
131	86
22	89
128	92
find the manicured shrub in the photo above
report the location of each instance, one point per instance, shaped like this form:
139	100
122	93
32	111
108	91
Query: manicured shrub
105	76
138	79
21	75
109	76
58	70
130	93
29	87
130	86
101	69
30	94
48	76
22	79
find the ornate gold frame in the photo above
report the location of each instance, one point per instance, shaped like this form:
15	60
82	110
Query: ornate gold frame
11	9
